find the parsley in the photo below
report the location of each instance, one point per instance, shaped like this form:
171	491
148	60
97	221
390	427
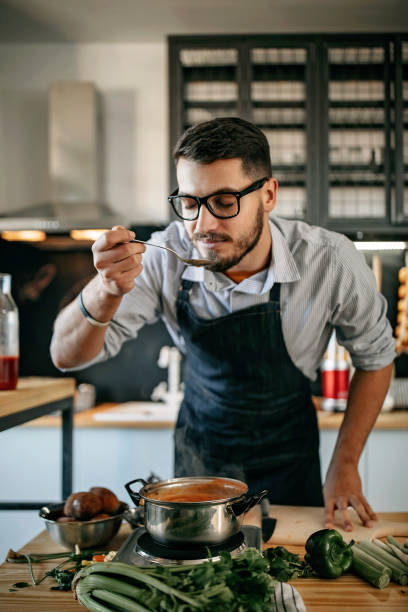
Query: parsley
284	565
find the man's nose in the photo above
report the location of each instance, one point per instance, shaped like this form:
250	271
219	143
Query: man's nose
206	222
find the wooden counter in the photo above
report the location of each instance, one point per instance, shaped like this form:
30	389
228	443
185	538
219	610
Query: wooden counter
319	595
33	391
396	419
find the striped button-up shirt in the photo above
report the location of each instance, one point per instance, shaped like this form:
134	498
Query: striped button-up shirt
325	285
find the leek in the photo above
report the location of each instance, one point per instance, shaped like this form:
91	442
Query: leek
398	570
368	568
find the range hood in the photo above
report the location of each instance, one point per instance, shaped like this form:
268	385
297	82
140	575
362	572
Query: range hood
74	167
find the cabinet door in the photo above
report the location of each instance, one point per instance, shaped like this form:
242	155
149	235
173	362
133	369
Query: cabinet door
204	84
280	91
399	134
387	477
355	188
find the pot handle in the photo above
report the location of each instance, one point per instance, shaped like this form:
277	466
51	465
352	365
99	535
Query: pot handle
246	502
135	497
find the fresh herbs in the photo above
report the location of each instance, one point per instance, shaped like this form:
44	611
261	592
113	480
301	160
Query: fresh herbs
63	577
284	565
18	585
233	583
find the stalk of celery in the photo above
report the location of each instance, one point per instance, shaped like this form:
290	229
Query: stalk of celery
122	569
389	548
397	549
371	570
398	570
121	602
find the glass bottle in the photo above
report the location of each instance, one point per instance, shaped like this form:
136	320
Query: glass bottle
9	343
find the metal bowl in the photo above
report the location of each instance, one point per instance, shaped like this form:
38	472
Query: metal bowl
85	534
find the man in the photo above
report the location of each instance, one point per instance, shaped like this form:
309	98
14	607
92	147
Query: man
254	325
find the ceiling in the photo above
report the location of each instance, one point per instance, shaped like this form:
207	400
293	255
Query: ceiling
116	21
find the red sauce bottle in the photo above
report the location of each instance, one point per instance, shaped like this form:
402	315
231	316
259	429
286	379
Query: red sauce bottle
9	344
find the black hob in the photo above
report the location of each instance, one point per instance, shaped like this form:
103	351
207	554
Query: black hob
141	549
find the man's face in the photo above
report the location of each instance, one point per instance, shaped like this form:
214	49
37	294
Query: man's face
226	241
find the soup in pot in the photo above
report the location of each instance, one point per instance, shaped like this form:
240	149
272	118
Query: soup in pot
203	491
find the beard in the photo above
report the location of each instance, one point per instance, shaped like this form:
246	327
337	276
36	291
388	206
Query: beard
242	245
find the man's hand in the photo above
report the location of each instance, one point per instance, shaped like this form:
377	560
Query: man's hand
341	490
117	260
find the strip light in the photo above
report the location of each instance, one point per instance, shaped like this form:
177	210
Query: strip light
87	234
24	235
381	246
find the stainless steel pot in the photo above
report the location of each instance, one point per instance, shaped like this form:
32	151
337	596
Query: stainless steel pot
188	523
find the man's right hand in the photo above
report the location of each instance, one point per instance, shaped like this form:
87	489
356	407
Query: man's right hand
118	261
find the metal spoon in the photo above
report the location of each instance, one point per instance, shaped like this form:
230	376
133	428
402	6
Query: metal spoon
191	262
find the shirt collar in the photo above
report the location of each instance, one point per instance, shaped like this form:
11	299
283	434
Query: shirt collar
283	262
282	268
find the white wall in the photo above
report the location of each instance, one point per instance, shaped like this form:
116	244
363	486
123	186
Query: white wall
132	81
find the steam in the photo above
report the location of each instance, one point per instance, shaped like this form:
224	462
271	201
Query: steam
190	463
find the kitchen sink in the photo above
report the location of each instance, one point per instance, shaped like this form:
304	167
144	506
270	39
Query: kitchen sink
139	411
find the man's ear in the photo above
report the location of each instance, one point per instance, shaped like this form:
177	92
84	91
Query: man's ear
271	190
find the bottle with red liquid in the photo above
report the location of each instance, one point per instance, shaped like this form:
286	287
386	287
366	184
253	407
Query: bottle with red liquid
9	343
335	370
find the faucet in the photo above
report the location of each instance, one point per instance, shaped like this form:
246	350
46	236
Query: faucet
171	392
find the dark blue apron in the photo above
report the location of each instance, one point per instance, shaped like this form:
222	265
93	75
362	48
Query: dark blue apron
247	411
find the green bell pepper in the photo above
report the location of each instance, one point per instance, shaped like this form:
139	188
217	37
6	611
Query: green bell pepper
328	554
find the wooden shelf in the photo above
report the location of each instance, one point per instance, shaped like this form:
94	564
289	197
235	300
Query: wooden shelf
350	183
356	103
278	103
210	104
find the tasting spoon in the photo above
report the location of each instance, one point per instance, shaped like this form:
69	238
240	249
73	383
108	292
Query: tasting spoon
191	262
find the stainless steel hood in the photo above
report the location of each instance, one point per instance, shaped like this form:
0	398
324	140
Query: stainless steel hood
74	167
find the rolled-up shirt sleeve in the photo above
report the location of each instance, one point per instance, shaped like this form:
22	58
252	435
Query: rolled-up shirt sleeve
140	306
359	311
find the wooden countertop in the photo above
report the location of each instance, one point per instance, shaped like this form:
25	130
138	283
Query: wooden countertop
319	595
396	419
35	391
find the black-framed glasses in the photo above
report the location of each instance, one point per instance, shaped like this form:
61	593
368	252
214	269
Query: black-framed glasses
221	204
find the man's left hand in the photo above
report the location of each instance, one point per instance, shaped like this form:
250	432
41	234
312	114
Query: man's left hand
341	490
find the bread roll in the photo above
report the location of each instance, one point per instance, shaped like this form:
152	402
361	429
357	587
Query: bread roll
110	502
66	519
83	505
402	274
402	336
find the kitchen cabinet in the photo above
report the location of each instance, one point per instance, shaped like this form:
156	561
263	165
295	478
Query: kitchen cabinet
333	108
382	477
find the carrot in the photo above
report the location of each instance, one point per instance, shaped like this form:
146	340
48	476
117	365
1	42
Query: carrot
98	558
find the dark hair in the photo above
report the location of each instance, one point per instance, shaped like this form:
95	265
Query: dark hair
226	138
